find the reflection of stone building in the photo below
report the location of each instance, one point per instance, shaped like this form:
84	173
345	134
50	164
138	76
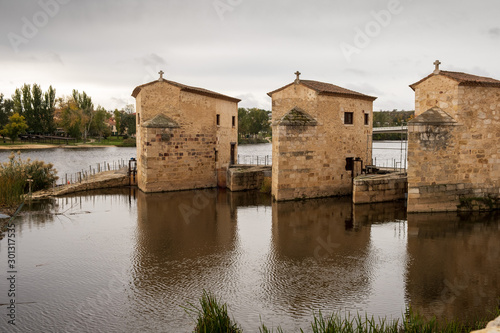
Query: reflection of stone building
454	271
453	154
321	139
186	136
322	251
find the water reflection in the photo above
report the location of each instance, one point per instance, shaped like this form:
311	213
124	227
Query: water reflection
123	260
455	270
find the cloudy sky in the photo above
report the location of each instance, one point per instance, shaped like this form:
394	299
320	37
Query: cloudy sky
244	48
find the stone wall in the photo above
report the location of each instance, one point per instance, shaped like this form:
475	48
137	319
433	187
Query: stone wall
454	163
242	178
310	161
379	188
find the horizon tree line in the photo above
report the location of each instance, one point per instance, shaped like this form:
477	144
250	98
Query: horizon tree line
32	111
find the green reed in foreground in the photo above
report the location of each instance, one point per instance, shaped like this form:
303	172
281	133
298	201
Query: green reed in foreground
213	317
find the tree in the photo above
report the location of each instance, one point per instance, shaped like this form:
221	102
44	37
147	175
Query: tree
99	126
36	107
128	123
118	119
71	117
6	106
16	125
125	122
86	107
48	110
253	121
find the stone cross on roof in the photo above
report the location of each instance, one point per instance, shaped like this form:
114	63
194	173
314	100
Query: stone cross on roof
161	75
297	80
437	63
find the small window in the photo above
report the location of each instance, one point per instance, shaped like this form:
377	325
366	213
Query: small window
218	120
348	118
349	164
234	121
367	119
138	118
216	156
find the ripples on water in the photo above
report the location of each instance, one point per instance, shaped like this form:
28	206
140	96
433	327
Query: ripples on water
124	261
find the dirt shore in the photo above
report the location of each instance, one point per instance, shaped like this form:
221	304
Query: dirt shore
31	146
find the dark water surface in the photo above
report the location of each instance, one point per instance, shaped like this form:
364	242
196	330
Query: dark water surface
124	261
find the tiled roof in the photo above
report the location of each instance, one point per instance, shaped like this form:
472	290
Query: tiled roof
195	90
464	79
323	88
434	115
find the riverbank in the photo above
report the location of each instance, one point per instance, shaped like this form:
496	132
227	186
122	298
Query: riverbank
49	146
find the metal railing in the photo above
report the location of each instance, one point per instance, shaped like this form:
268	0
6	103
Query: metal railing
255	159
92	170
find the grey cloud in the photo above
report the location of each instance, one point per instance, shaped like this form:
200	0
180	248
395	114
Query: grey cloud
494	32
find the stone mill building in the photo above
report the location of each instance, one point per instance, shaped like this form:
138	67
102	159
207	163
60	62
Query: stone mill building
454	143
321	139
186	136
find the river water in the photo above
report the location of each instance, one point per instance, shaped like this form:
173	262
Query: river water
69	161
119	260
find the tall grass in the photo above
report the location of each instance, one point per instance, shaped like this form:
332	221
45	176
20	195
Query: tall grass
212	317
15	173
11	190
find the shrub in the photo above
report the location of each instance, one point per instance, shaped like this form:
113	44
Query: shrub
15	172
130	142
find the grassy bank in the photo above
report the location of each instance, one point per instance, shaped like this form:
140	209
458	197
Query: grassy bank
212	316
118	141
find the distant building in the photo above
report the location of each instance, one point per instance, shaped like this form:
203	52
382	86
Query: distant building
186	136
321	139
454	140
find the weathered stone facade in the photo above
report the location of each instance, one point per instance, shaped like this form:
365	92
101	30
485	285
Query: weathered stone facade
321	139
379	188
453	146
186	136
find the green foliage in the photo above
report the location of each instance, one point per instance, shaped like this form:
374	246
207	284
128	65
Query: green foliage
129	142
85	109
16	125
99	126
14	175
391	119
6	106
125	122
36	107
254	121
212	316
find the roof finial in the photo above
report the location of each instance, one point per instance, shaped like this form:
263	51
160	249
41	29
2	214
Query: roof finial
161	75
297	80
437	63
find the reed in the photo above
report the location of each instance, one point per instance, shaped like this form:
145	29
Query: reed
212	317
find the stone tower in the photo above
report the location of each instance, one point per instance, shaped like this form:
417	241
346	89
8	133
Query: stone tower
186	136
321	139
453	144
